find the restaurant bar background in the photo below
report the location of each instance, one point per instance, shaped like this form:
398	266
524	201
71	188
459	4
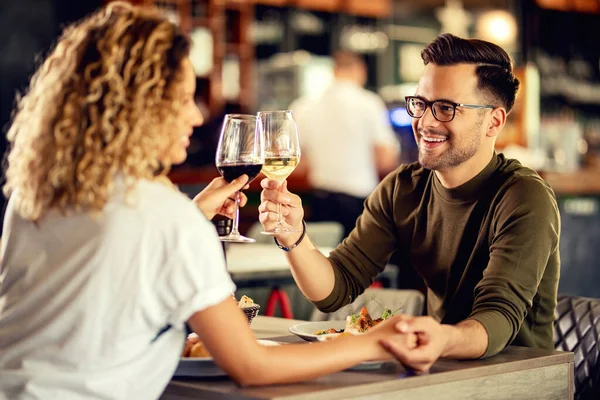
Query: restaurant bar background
263	54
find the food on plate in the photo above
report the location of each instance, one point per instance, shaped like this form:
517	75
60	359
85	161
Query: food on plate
328	331
199	350
245	302
339	335
194	347
358	323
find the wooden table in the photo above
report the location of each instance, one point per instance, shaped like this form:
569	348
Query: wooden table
515	373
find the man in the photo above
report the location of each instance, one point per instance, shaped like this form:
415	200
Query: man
350	118
480	229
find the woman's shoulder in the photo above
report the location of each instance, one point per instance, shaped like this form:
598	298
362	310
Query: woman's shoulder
155	205
159	197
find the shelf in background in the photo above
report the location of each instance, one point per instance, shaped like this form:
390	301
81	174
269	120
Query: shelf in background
585	181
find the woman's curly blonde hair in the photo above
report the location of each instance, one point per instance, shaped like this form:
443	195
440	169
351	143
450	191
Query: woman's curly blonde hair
103	102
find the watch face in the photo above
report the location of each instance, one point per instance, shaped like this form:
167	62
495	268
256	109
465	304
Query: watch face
201	53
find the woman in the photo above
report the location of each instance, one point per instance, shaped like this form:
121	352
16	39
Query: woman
101	253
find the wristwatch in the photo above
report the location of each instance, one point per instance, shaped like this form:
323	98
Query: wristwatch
292	247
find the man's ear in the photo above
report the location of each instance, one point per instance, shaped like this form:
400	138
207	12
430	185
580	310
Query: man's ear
496	122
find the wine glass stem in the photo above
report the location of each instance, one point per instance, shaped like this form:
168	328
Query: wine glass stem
236	216
279	215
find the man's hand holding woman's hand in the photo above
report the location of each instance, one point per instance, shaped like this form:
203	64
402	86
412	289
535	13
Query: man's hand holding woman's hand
431	341
386	331
416	342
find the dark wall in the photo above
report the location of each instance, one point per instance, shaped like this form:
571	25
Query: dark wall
28	28
579	246
564	45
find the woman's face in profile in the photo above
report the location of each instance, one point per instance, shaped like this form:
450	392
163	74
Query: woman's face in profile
189	116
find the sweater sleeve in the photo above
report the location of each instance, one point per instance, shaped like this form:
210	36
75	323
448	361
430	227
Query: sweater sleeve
525	234
366	251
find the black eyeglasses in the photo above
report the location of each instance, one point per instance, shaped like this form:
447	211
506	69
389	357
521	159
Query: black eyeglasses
443	111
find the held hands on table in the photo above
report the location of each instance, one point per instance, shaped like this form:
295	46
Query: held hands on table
431	336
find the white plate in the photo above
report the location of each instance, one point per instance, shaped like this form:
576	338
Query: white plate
205	366
306	330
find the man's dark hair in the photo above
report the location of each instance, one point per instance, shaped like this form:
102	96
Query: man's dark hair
494	65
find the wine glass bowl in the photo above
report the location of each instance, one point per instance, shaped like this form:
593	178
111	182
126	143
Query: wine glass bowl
240	151
233	171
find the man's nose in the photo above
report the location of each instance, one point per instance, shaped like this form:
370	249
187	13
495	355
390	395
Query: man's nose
427	119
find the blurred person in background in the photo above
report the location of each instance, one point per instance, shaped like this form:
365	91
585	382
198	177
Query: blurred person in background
105	262
347	142
482	230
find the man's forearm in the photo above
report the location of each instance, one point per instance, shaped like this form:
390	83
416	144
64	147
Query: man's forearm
312	271
466	340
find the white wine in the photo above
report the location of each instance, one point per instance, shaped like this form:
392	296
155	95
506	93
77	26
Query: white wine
279	168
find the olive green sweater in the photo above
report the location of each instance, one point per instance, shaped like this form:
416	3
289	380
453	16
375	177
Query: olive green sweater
487	250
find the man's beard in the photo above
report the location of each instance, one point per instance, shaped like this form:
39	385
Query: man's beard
452	156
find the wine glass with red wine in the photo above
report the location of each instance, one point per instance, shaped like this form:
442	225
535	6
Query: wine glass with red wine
240	151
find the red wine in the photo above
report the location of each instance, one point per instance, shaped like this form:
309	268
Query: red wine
233	171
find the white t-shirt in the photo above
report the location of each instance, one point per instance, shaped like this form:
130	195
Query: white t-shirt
82	300
338	132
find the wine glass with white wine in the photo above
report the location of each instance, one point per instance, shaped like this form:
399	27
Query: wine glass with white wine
282	154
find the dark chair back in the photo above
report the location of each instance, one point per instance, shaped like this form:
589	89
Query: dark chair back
577	329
